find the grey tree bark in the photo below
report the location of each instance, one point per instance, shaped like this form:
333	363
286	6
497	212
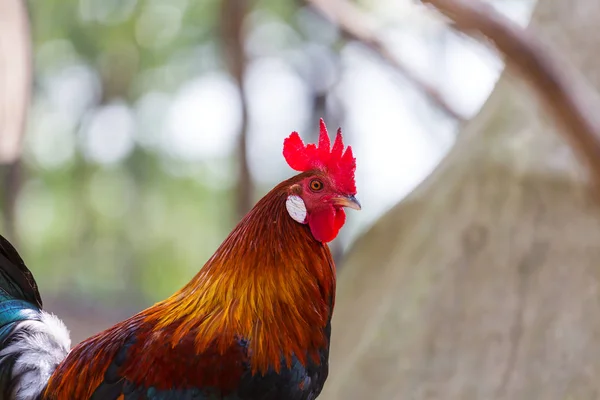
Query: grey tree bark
485	282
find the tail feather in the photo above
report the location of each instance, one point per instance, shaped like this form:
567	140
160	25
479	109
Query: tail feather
15	278
32	342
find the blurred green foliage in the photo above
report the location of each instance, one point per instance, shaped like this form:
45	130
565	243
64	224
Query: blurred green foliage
138	229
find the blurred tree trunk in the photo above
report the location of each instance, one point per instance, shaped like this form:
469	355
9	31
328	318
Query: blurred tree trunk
233	14
15	90
485	282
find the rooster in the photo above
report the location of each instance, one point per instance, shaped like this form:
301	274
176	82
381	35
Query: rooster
253	324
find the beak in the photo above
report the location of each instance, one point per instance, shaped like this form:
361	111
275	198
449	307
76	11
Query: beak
347	201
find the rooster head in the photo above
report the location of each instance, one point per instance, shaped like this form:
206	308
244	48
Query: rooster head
318	196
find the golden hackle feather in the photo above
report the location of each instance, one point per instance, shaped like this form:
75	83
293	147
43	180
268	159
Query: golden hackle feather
269	282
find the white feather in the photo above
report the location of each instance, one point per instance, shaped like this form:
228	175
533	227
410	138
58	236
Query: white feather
296	208
39	346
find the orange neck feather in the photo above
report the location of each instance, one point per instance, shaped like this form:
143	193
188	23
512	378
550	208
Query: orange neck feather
269	282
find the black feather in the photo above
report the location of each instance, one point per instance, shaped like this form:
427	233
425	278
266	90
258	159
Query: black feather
15	277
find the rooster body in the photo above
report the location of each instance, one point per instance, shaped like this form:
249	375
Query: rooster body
253	324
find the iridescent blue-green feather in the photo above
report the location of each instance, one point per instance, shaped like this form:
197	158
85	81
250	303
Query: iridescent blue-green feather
32	342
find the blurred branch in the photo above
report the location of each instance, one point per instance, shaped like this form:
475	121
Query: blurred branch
233	13
15	91
561	87
357	25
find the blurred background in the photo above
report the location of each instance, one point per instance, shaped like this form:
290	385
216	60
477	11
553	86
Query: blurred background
155	125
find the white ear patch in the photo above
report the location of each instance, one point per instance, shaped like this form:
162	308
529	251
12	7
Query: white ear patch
296	208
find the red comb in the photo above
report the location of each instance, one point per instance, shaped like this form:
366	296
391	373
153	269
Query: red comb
338	163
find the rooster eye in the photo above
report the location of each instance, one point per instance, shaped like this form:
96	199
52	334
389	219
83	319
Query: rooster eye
316	185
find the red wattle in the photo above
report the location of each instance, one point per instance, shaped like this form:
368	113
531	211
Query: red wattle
325	224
